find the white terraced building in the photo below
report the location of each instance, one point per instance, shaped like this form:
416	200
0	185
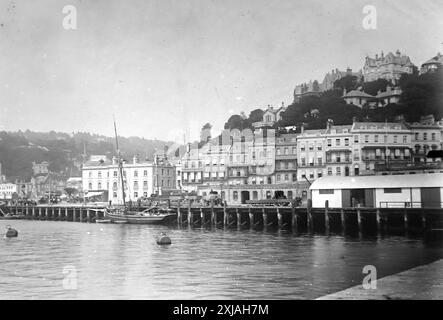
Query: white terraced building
142	178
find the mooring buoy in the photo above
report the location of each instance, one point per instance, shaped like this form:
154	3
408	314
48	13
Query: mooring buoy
11	232
163	239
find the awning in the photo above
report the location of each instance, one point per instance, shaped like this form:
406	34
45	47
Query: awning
93	194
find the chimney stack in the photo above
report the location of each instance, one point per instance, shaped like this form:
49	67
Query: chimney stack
135	159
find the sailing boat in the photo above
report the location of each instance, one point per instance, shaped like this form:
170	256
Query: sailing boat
119	214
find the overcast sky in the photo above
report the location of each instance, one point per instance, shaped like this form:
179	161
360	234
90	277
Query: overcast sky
166	67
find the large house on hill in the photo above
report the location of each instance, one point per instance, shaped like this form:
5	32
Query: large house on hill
389	67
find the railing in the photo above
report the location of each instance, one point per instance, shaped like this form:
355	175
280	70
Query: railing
410	204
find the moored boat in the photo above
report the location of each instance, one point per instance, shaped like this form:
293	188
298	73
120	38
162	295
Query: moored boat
154	215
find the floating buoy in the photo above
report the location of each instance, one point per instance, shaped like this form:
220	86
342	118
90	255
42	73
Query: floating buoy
163	239
10	232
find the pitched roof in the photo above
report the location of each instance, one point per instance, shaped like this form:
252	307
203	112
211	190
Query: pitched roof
357	93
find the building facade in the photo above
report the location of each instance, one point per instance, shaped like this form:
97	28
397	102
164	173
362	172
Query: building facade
389	67
141	178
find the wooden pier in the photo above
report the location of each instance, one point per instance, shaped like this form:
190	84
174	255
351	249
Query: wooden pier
299	219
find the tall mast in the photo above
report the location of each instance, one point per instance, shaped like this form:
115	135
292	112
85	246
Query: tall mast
120	166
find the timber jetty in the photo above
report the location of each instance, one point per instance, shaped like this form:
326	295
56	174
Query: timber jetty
295	219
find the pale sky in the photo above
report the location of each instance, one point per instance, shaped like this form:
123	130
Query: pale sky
166	67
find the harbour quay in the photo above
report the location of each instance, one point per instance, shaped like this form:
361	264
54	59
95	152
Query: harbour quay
361	220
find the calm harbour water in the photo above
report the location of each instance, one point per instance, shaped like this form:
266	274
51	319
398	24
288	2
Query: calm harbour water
124	262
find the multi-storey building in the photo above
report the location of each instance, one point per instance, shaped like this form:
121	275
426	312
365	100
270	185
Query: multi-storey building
425	137
253	165
432	64
270	117
338	150
286	158
7	190
192	168
380	145
389	67
100	176
310	154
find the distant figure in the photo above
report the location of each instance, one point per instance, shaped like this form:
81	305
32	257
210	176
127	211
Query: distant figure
10	232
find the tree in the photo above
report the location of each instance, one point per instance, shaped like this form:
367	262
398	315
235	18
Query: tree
70	191
348	82
236	122
373	87
205	133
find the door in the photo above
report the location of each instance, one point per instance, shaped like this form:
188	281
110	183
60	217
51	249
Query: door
369	198
430	197
244	196
346	198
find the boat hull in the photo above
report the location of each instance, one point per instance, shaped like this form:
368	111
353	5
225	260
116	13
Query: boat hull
137	219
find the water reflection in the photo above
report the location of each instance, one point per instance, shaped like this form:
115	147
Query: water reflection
124	262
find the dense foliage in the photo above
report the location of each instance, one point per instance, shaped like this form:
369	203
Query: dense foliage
64	152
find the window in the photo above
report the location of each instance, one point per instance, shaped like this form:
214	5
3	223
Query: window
294	150
326	191
278	151
115	174
366	138
90	174
320	161
376	138
99	174
145	172
319	147
278	177
405	139
337	159
329	171
254	195
302	147
425	136
337	142
416	136
395	139
433	136
286	151
135	184
355	139
338	171
289	194
392	190
135	194
311	147
114	194
286	177
294	177
90	186
145	184
329	142
99	186
319	174
303	161
145	194
311	175
114	186
346	142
